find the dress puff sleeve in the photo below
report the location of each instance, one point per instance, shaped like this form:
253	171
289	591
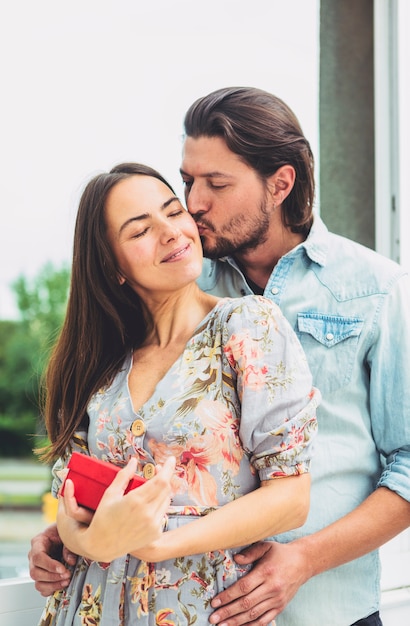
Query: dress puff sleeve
79	443
274	385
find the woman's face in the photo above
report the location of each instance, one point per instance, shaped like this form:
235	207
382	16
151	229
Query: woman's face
154	239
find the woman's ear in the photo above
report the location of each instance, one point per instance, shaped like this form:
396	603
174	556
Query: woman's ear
121	279
281	183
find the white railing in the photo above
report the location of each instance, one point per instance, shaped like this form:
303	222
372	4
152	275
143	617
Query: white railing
21	604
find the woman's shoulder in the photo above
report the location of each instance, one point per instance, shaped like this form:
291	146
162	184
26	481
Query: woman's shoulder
248	311
249	306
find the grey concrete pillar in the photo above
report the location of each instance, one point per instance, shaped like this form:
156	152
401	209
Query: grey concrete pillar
346	109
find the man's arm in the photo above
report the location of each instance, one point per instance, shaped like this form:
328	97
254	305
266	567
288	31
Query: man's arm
261	595
45	561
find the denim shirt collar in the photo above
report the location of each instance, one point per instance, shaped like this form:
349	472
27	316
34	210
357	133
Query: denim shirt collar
316	244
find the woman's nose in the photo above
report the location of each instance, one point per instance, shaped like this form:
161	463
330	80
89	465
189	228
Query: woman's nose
170	232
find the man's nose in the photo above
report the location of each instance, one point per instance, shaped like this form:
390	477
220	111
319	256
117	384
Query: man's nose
196	200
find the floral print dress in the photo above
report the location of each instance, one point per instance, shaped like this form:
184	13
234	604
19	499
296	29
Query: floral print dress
235	408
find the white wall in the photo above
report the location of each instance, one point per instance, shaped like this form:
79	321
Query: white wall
403	41
392	103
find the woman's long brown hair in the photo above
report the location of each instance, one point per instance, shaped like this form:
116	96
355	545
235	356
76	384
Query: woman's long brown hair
104	320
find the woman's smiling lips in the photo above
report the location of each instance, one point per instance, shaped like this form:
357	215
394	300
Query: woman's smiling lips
176	254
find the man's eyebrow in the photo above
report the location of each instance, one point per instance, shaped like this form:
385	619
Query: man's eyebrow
144	216
214	174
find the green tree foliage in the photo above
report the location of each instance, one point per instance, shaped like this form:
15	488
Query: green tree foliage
24	348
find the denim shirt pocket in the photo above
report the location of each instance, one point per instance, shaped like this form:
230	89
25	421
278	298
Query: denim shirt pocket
330	343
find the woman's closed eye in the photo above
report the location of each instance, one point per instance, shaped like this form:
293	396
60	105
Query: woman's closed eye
143	231
177	212
140	233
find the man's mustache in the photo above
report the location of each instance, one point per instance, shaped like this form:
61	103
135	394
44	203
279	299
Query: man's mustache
203	223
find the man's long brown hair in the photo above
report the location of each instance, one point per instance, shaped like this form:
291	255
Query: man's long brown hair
266	134
104	320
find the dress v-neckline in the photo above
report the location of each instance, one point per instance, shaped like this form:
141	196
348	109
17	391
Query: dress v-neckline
198	328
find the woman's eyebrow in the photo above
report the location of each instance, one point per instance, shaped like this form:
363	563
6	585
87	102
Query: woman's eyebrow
144	216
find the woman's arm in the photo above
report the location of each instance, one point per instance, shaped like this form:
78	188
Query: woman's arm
121	523
278	505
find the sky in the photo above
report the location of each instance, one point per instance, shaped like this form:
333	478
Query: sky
90	83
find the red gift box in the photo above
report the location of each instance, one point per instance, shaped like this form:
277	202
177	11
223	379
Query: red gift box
91	477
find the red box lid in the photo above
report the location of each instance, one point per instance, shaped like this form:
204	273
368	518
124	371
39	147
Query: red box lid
91	477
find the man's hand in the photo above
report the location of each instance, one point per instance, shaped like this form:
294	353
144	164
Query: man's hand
281	569
45	560
257	598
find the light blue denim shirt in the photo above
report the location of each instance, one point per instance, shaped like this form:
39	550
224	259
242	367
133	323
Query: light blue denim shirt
350	308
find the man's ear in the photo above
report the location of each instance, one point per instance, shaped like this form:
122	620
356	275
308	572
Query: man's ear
281	183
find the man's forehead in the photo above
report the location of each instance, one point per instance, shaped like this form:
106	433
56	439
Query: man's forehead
208	156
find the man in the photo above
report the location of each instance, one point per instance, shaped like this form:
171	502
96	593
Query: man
248	175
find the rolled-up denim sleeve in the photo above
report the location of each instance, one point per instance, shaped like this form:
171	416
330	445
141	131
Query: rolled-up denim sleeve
389	360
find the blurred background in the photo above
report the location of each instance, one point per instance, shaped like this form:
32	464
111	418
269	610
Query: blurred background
88	84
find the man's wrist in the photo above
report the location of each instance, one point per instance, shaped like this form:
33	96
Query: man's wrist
308	555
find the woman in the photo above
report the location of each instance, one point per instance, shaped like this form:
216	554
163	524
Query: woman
148	367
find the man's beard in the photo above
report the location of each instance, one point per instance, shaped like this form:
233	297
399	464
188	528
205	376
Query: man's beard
245	236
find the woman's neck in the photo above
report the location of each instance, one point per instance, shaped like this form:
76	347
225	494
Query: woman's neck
174	318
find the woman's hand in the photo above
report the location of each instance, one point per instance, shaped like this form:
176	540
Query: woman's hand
154	551
72	509
122	523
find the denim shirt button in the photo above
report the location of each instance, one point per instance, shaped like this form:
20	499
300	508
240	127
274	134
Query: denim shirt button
275	291
330	336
